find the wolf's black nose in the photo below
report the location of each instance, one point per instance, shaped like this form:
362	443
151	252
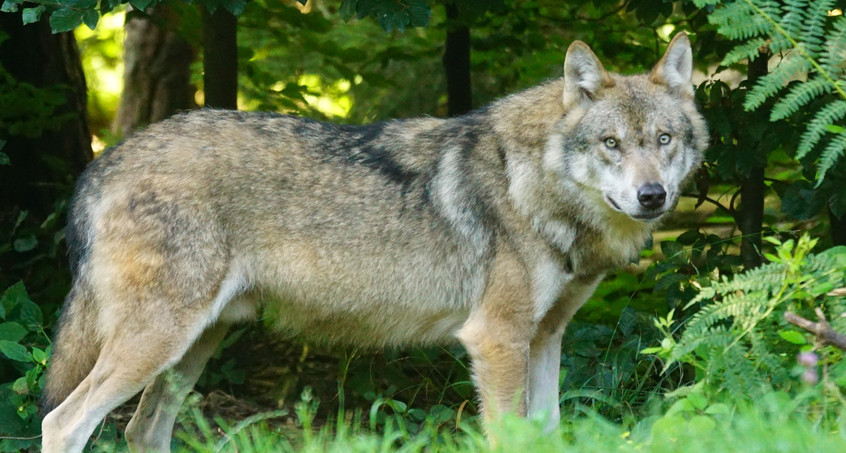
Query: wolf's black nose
651	195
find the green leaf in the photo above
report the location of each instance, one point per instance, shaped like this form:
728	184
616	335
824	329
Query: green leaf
10	6
12	331
236	7
347	9
671	249
65	19
39	355
701	424
20	386
13	296
800	201
91	17
4	158
689	237
833	128
772	258
32	15
141	5
792	336
31	315
14	351
682	405
718	409
25	244
698	400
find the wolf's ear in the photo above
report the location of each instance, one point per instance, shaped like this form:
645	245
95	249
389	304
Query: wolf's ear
584	75
675	68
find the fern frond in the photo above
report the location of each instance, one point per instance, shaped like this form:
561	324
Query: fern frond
714	338
818	126
833	60
740	22
748	50
799	96
813	42
767	86
734	341
830	155
760	278
793	15
813	31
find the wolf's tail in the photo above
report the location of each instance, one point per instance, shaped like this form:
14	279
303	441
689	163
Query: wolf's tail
76	346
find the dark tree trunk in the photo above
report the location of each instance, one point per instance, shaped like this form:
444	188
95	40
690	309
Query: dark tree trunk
838	228
43	168
157	71
752	189
456	62
220	59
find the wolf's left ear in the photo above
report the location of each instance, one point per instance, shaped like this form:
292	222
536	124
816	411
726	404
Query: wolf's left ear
584	75
676	66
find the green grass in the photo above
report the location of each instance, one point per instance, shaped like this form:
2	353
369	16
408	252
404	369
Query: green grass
771	425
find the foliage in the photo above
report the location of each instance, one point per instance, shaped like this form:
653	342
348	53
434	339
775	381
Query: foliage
66	15
692	424
390	14
25	345
28	111
738	340
811	41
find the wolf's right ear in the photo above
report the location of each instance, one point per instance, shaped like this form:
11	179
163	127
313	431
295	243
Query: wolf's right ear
584	75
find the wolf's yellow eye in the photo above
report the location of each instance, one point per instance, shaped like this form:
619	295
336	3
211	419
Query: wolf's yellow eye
611	143
664	139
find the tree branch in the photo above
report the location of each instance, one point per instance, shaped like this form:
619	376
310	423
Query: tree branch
821	329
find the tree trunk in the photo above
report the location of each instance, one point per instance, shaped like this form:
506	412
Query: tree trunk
752	189
220	59
456	62
43	168
838	228
157	71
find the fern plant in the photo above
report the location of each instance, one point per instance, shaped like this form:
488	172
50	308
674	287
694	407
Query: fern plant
739	341
811	36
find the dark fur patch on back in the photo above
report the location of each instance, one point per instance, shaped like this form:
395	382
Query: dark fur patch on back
357	145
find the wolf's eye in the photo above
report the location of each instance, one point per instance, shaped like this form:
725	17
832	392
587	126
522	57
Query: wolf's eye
664	139
611	143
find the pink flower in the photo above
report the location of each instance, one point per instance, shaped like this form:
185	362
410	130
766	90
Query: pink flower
810	376
808	359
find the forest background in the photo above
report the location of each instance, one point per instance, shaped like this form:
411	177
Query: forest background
723	337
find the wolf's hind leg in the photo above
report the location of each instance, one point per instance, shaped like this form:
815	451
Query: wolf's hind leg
129	360
151	427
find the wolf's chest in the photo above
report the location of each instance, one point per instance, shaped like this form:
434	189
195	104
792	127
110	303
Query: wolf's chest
595	251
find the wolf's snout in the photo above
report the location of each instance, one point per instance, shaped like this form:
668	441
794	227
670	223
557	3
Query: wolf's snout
651	195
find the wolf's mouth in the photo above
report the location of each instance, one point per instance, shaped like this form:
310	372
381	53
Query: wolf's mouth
613	203
640	216
648	216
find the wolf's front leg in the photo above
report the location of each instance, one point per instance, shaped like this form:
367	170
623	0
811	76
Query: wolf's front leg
497	335
545	354
500	366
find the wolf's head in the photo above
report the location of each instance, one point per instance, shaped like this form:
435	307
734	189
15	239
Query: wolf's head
628	142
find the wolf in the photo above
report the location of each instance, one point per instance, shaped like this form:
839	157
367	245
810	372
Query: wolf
491	229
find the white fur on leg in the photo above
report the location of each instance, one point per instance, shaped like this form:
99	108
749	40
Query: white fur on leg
544	368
